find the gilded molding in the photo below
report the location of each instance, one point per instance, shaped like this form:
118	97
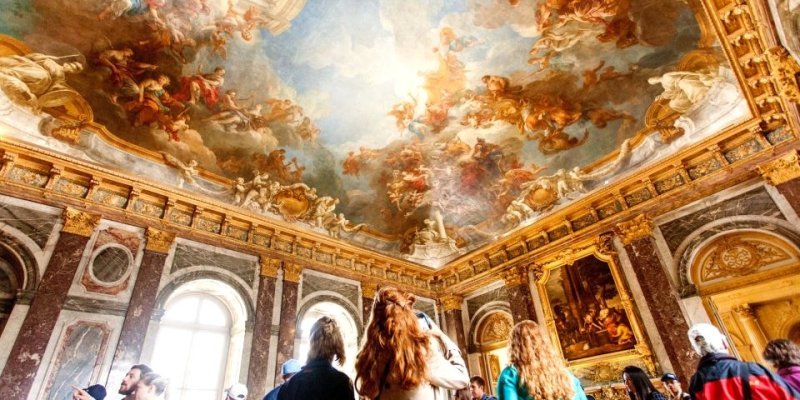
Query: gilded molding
516	276
634	229
269	266
292	272
369	289
451	302
781	170
158	241
784	72
79	222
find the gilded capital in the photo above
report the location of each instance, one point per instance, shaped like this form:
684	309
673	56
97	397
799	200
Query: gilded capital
269	266
158	240
292	272
516	276
79	222
782	169
369	289
635	229
451	302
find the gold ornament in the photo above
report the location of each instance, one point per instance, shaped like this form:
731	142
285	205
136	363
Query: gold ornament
292	272
158	240
637	228
79	222
781	170
451	302
269	266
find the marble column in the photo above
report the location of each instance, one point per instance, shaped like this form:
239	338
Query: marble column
519	294
783	173
453	322
368	292
661	298
752	329
262	329
51	293
288	323
141	303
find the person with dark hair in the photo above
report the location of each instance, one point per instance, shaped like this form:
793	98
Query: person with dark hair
318	379
638	384
405	355
673	386
476	385
131	379
721	376
784	355
94	392
150	387
536	371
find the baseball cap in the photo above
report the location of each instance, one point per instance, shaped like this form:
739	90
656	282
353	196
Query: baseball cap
291	366
237	391
669	377
98	392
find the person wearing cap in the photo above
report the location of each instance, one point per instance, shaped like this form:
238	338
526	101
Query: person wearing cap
288	369
720	376
237	391
673	386
94	392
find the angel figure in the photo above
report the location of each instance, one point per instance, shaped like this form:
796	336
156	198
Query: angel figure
684	89
187	172
323	209
37	80
338	223
240	189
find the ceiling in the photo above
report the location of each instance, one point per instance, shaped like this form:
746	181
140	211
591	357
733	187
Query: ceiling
437	126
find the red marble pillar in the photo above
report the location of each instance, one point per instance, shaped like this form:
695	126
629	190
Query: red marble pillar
288	324
662	299
141	303
783	173
453	322
51	293
368	291
262	329
519	294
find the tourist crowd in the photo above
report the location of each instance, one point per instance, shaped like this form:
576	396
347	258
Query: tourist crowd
406	356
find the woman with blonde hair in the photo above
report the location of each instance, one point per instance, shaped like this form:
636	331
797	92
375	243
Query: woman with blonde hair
536	371
318	379
406	356
150	387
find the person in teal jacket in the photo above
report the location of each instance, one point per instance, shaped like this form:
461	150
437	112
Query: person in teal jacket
536	372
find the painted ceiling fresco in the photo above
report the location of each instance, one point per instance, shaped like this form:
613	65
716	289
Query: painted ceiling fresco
432	125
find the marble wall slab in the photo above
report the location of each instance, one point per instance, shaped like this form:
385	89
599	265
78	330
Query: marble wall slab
475	303
753	202
313	282
36	225
188	256
78	358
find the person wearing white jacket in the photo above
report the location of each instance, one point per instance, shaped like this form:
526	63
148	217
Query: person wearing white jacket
406	358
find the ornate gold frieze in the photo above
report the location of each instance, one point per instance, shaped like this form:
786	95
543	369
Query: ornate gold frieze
369	289
269	266
79	222
784	71
515	276
495	328
781	170
158	241
292	272
451	302
636	228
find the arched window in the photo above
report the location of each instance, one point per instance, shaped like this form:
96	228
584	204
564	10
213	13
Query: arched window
199	341
346	324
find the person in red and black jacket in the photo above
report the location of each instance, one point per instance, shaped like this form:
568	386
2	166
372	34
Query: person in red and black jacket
721	376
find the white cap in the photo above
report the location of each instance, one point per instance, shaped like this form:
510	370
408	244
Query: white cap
237	391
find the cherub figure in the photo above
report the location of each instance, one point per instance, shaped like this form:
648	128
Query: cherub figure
187	172
338	223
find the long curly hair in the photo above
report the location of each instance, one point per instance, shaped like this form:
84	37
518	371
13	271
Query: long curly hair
394	348
541	370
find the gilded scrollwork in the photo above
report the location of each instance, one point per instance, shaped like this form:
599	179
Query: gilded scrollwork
79	222
292	272
782	169
269	266
634	229
451	302
158	241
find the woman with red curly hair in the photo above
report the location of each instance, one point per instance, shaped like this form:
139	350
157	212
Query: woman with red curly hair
536	371
401	360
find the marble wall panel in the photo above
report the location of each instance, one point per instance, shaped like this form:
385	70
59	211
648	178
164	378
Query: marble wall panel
753	202
110	262
314	283
78	358
475	303
36	225
188	256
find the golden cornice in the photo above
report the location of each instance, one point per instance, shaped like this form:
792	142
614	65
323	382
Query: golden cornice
782	169
292	272
637	228
79	222
516	275
269	266
158	241
451	302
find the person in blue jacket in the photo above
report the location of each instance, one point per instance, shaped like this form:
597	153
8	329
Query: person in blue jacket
536	372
